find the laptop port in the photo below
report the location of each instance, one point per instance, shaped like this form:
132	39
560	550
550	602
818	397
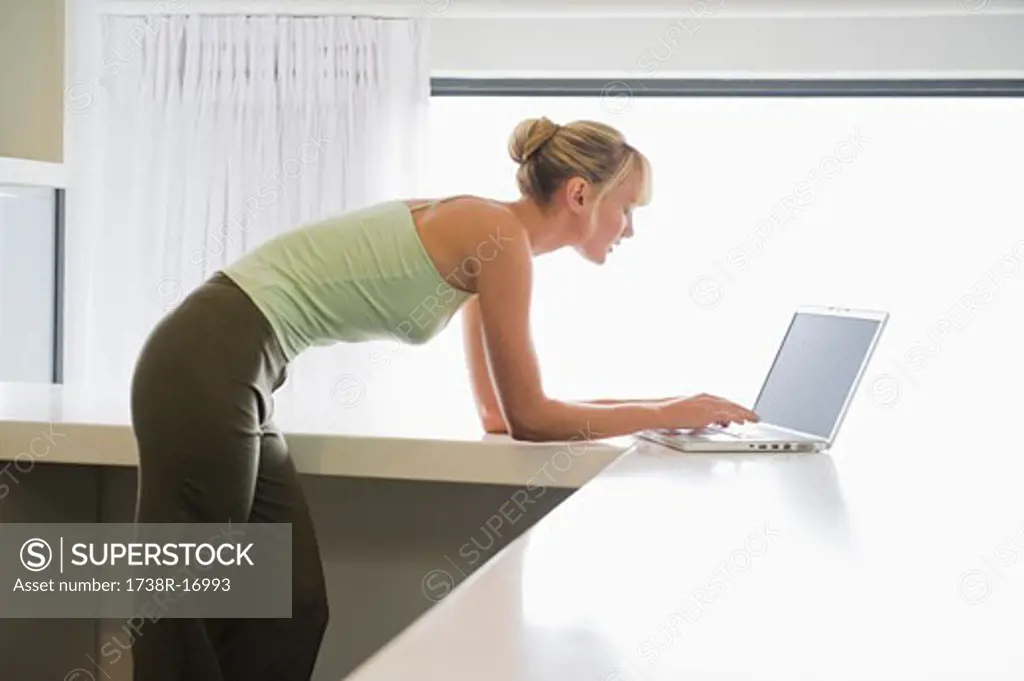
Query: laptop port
762	446
775	446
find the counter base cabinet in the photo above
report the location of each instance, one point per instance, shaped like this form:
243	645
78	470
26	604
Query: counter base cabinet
48	494
390	548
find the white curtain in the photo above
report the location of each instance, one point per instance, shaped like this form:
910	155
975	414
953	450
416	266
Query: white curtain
215	133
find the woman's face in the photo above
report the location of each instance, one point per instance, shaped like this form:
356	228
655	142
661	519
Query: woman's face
611	219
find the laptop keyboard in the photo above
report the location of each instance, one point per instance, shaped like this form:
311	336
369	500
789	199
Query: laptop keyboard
737	429
741	430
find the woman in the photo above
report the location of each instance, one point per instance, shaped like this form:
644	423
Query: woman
202	404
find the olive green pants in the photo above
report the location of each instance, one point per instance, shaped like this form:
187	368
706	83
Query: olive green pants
209	452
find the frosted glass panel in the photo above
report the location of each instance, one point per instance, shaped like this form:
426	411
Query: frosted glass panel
27	283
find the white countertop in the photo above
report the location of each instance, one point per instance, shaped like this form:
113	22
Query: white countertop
897	557
72	426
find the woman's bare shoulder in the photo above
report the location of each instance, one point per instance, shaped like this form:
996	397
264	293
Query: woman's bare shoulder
470	231
492	220
474	215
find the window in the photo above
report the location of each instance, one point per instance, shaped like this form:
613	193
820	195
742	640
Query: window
762	204
28	284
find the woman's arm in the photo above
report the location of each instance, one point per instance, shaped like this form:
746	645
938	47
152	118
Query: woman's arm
503	283
505	286
487	405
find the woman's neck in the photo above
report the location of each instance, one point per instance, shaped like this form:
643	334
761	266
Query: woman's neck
546	231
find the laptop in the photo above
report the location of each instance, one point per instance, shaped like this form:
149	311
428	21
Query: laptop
807	392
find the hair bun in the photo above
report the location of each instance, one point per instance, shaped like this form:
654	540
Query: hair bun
529	136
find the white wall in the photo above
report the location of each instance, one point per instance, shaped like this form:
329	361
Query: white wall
83	53
959	45
31	79
619	38
596	8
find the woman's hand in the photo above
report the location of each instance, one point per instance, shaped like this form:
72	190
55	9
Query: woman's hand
703	410
646	400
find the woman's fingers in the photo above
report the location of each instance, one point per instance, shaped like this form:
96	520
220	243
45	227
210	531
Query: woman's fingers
735	412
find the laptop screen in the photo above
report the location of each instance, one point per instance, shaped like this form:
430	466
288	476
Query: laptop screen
814	371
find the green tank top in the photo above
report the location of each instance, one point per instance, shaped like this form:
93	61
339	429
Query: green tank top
364	275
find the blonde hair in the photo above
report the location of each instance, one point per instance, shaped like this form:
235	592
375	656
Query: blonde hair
548	154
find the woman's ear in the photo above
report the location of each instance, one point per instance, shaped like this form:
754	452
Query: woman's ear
576	190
